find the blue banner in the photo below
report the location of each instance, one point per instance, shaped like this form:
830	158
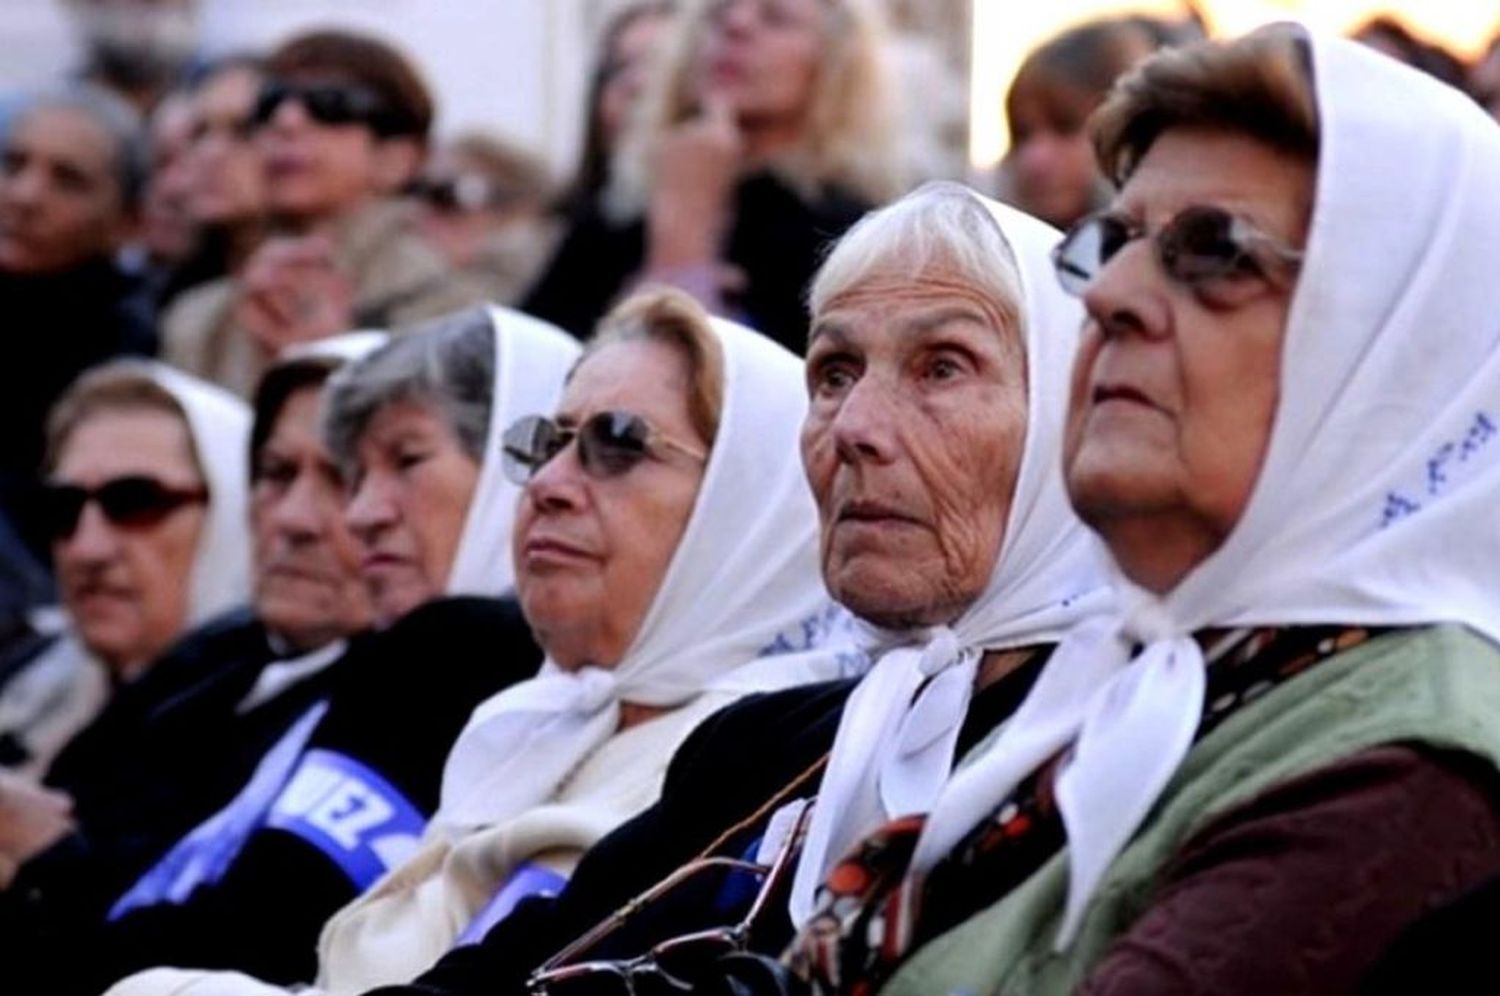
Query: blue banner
350	813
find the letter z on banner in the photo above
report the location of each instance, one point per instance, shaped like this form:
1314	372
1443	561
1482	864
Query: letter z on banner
350	813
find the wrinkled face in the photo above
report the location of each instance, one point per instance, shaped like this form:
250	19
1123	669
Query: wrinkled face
1052	163
1173	397
762	56
912	444
411	492
316	171
60	199
308	587
229	183
590	554
626	70
126	588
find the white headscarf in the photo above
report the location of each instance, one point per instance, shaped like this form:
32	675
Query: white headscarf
532	359
744	574
1376	501
219	425
66	686
347	347
894	748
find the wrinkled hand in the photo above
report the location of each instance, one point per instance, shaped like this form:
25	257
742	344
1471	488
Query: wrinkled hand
32	818
697	165
293	290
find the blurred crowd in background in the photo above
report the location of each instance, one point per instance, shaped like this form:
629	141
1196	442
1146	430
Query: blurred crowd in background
222	215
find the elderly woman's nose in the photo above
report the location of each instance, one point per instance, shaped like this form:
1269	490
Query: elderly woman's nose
865	426
1127	294
558	484
370	507
93	540
302	509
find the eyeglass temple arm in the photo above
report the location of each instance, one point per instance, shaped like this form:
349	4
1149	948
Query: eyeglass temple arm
617	919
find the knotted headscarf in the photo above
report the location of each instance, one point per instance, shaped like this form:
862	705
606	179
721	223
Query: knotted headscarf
741	608
895	743
1375	503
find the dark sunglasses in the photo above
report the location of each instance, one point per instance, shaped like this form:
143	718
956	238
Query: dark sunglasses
679	964
463	193
134	502
1204	248
609	444
329	104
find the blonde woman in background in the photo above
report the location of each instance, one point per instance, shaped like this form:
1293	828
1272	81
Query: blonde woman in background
767	129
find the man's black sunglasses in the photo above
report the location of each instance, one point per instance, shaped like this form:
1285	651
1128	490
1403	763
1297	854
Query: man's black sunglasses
132	502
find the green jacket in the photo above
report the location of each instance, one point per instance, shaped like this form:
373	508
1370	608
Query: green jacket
1438	686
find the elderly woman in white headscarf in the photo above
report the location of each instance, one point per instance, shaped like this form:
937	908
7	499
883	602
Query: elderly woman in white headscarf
416	427
145	500
938	360
664	556
1283	745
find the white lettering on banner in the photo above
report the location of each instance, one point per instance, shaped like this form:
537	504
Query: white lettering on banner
337	804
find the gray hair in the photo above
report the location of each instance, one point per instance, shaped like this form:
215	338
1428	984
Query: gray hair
447	365
939	226
113	116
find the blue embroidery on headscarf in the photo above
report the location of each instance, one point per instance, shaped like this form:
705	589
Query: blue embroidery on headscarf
1440	467
804	634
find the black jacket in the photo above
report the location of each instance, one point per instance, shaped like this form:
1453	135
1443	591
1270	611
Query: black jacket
378	741
730	767
167	752
777	239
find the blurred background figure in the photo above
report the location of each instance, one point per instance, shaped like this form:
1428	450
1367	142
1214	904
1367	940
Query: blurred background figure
139	49
145	508
628	44
227	194
341	123
205	204
483	202
767	129
167	236
1388	35
70	177
1050	170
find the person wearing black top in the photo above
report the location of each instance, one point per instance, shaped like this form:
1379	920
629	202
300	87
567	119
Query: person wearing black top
760	144
776	241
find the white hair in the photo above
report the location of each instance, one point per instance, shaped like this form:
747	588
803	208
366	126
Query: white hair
939	226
